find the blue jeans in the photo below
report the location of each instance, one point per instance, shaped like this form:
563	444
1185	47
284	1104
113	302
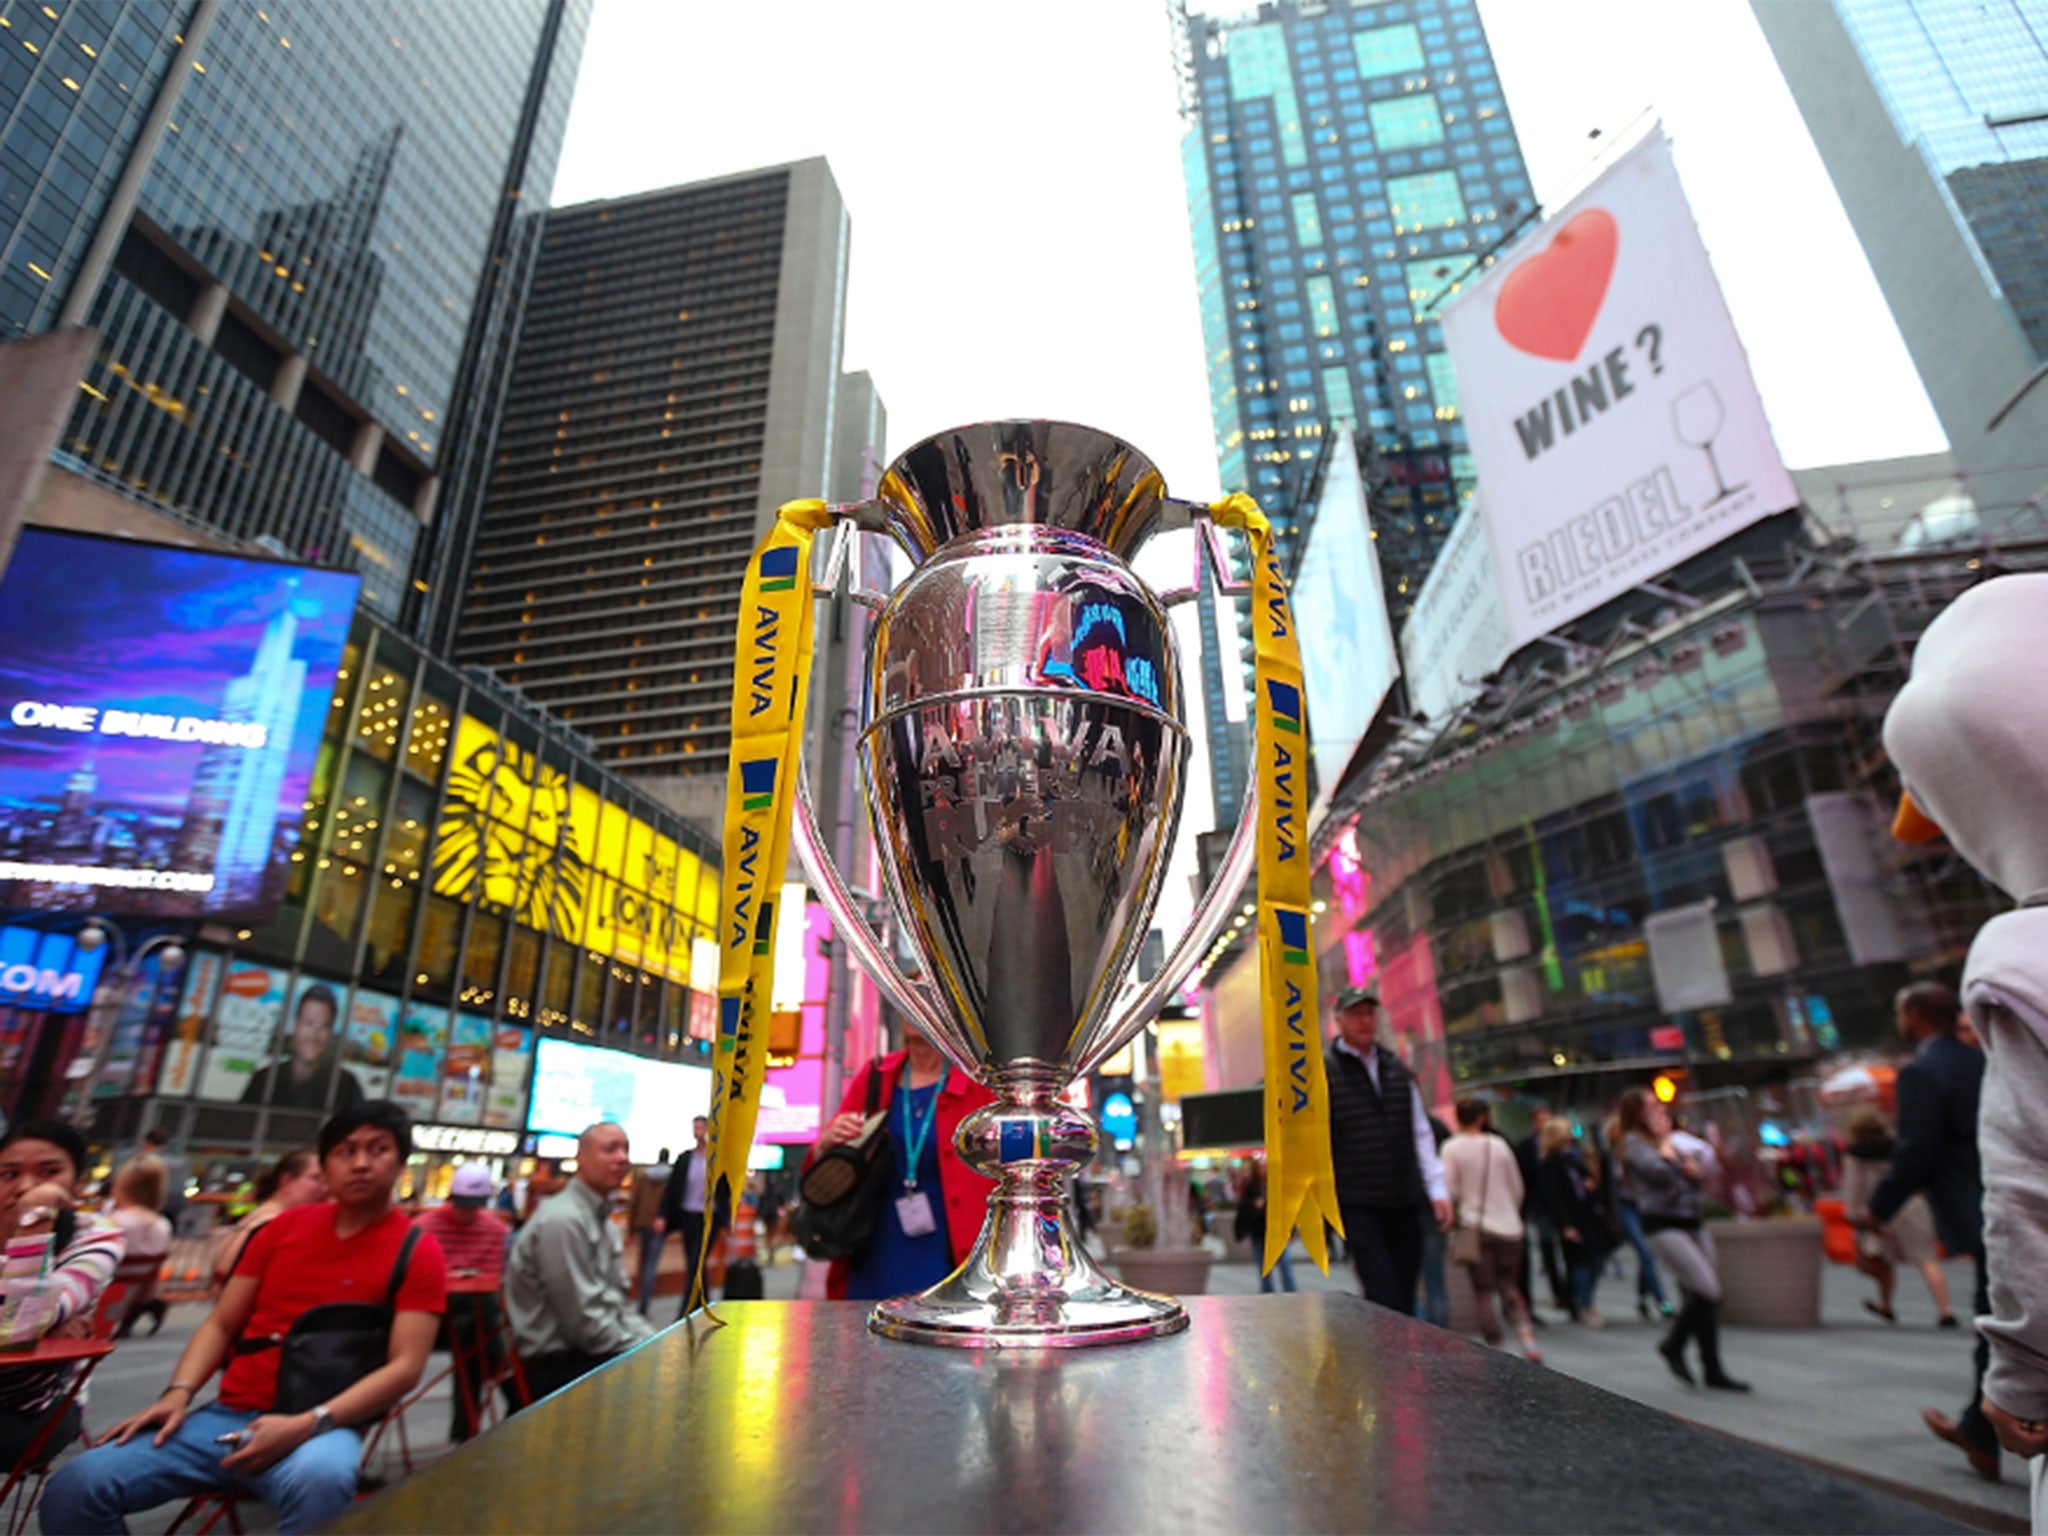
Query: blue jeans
1436	1296
307	1489
651	1245
1647	1278
1285	1270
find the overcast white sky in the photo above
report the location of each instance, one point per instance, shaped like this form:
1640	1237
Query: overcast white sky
1020	239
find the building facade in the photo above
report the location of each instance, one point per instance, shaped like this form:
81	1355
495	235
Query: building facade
677	380
303	233
468	882
1675	859
1931	118
1347	168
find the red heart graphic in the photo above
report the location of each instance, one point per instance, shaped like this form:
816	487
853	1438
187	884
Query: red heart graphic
1548	304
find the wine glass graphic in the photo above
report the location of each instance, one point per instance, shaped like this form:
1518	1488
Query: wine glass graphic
1697	417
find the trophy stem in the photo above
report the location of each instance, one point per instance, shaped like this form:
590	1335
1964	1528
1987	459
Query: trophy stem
1028	1282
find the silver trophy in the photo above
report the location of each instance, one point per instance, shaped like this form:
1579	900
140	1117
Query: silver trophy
1024	752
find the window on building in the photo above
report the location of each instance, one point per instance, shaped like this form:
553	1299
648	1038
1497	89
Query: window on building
1388	50
1443	385
1322	305
1407	122
1308	225
1337	397
1429	201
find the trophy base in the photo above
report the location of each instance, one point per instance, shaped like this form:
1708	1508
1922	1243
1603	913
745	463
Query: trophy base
976	1309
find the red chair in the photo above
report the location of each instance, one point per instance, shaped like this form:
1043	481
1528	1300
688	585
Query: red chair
134	1283
25	1479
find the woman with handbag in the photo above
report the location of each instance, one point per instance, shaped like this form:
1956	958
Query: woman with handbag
932	1203
1486	1193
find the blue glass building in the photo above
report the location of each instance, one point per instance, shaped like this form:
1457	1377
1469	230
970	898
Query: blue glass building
1348	168
304	232
1966	84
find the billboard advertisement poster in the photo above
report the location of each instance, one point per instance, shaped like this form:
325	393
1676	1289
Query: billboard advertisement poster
577	1086
308	1063
465	1070
1348	660
245	1020
1457	634
115	1077
370	1044
422	1037
188	1031
160	710
1608	401
511	1067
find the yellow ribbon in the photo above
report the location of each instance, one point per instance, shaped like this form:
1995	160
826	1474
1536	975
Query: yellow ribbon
1301	1189
770	676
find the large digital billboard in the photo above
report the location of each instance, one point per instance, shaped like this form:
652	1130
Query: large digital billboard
577	1086
518	837
1609	405
1348	661
160	710
1457	634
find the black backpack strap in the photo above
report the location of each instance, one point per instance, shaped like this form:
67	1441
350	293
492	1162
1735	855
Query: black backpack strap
874	1086
412	1241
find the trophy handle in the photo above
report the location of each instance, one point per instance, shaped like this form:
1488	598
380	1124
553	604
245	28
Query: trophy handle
849	923
1210	916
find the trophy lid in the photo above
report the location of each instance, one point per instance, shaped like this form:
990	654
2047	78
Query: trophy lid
1055	474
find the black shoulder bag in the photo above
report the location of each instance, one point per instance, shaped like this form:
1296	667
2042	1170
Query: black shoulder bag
840	1196
332	1347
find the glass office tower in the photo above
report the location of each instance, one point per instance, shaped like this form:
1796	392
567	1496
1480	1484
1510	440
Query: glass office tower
1348	168
1966	83
303	232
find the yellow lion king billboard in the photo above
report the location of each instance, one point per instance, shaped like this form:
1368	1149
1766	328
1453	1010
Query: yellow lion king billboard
519	837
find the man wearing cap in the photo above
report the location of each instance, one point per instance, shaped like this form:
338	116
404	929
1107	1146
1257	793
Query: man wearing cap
1389	1181
474	1242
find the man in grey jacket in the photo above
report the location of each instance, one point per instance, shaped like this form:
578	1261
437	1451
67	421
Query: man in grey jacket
565	1286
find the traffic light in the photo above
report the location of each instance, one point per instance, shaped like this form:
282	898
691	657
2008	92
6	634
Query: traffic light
1665	1086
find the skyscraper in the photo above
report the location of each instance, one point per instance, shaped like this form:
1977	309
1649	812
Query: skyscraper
677	380
1932	119
1347	168
303	232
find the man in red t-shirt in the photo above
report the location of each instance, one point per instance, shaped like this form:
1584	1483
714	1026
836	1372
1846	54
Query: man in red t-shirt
301	1464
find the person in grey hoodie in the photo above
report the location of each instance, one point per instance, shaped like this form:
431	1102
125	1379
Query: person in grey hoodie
1969	736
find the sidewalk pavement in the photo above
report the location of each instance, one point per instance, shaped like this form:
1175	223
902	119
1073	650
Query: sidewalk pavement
1846	1395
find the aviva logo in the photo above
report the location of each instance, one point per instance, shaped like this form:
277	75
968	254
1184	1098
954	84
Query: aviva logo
764	928
728	1025
778	569
757	784
1285	700
1293	935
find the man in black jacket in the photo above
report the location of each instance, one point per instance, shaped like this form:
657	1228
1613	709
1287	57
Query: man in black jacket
1389	1181
683	1201
1936	1155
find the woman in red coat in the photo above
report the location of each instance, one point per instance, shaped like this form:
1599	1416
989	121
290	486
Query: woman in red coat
936	1203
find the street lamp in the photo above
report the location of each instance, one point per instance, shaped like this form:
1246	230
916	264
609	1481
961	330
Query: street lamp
95	935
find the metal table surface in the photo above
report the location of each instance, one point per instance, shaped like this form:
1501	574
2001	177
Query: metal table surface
1281	1413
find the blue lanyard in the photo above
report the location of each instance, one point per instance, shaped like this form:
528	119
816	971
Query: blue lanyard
915	1135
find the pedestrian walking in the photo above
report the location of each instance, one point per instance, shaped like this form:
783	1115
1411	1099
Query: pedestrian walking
1628	1223
1389	1180
1251	1228
1486	1193
1537	1221
1936	1154
1907	1239
643	1220
1666	1187
1576	1205
1435	1306
683	1204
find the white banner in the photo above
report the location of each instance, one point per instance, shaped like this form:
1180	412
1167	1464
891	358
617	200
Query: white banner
1608	402
1348	662
1458	633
